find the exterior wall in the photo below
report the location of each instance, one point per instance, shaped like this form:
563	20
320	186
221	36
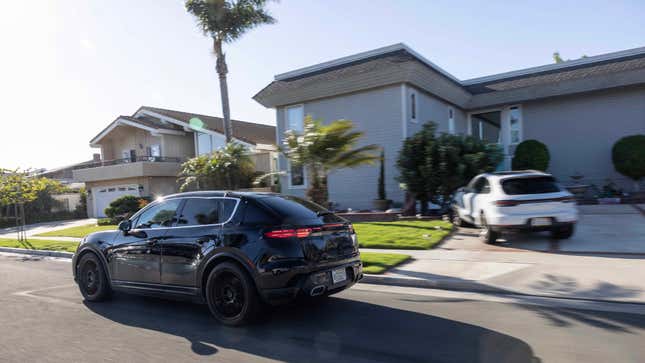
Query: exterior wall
378	114
430	108
177	146
69	201
127	138
148	186
581	130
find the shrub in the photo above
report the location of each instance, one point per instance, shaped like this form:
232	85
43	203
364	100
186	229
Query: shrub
628	156
106	222
432	167
124	207
531	154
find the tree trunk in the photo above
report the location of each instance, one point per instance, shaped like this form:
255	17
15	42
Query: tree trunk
317	190
222	70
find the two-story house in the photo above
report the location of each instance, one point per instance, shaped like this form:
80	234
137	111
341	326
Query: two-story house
578	108
142	154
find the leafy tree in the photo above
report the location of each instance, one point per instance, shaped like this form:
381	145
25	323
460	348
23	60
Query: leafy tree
531	154
434	166
628	156
321	149
225	21
229	168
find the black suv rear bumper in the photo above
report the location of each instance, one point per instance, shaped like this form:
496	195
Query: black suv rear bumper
314	281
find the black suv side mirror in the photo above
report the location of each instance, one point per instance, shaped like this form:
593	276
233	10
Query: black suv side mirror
125	226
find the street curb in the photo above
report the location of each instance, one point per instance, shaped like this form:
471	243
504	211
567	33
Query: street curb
433	284
25	251
473	286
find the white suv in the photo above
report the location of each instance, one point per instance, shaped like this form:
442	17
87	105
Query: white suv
515	200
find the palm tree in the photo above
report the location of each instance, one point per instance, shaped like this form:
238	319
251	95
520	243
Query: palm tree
321	149
225	21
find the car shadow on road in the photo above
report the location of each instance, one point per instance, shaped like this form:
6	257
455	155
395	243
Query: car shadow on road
336	330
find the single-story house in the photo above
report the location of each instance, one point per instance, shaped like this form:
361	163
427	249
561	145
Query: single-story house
142	154
578	108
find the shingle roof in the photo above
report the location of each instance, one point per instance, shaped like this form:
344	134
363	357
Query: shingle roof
298	85
558	75
250	132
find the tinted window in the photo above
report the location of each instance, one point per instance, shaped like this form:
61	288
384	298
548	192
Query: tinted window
537	185
255	215
159	215
296	210
202	211
482	186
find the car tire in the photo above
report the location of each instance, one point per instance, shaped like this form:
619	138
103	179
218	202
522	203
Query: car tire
92	279
487	235
563	232
231	295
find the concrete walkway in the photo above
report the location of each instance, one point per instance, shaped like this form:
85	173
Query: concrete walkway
608	278
38	228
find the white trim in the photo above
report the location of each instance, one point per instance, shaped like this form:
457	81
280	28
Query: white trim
557	66
121	121
304	177
286	115
360	56
404	111
521	124
186	125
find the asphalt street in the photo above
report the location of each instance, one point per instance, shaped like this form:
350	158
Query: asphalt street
44	319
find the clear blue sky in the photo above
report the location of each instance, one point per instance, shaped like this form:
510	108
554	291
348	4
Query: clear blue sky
68	67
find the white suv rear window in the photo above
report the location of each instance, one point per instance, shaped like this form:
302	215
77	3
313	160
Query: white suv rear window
530	185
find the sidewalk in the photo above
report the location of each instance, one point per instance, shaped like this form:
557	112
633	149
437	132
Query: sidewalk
38	228
609	278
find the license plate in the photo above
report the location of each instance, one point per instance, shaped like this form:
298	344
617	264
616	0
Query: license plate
537	222
338	275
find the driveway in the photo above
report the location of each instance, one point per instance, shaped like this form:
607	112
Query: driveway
38	228
612	229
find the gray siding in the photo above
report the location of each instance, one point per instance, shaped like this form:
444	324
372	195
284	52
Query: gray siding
581	130
378	114
430	108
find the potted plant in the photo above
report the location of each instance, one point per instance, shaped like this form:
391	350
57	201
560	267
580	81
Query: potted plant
382	203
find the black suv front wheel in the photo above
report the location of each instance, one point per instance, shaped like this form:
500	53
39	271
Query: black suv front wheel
92	279
231	295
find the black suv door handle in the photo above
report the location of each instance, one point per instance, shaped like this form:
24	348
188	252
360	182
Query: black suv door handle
152	242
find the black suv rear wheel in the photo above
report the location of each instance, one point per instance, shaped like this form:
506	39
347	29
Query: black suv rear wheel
231	295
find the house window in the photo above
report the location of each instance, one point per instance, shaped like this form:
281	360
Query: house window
451	121
413	106
295	118
204	144
515	125
296	175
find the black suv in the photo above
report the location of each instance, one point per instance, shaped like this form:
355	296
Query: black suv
230	250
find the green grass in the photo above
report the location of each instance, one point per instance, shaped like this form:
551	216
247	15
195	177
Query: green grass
408	235
377	263
39	244
79	232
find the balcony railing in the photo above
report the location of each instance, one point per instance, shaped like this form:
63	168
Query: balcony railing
149	159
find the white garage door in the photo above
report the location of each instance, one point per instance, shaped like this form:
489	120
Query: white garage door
103	196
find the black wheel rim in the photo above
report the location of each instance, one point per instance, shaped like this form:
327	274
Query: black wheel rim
228	295
90	278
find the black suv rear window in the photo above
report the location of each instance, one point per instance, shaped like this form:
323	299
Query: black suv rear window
295	210
532	185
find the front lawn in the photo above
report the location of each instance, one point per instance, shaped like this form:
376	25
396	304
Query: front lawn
409	235
79	232
40	244
377	263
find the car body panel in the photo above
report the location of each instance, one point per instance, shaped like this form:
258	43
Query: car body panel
175	261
